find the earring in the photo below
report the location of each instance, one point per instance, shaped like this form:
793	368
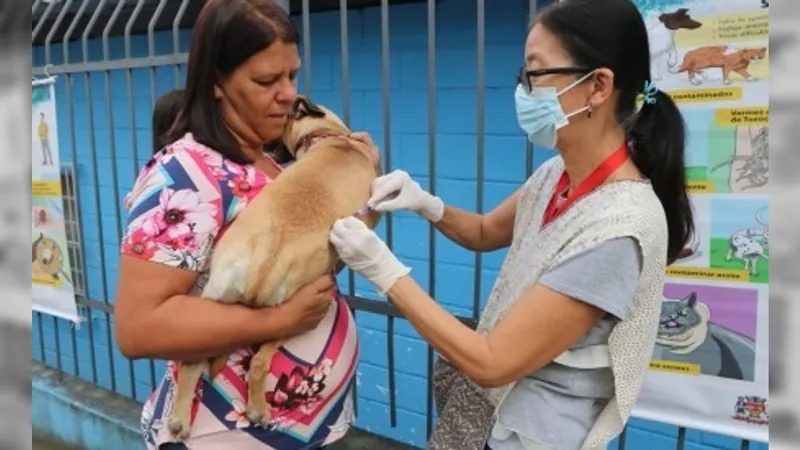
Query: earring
589	111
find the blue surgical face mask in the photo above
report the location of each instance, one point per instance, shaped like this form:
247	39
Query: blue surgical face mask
540	115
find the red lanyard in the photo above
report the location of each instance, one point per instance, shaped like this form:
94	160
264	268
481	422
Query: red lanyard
595	179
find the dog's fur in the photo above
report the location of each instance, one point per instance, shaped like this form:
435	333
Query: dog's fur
728	59
279	243
661	35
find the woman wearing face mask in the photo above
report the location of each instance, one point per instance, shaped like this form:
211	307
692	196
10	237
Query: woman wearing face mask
564	342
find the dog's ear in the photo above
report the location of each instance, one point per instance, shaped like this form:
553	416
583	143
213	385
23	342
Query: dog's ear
682	11
303	107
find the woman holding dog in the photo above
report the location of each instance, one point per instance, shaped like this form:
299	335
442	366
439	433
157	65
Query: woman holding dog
243	62
565	340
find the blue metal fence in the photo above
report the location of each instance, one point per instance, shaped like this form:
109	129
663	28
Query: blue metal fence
129	52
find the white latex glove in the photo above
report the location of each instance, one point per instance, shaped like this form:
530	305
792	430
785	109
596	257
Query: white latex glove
364	252
397	191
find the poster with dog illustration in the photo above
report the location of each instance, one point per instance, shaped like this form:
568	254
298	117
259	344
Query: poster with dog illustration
725	157
52	289
711	354
709	52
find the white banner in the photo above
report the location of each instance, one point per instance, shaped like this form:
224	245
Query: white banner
710	366
52	291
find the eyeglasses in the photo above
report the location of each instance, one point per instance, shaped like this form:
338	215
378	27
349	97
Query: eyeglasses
524	76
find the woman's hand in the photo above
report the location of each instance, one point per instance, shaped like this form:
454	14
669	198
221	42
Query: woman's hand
397	191
308	306
362	250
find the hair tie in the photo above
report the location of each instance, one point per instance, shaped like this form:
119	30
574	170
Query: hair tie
649	92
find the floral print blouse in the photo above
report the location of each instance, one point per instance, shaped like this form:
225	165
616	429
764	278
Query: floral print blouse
180	205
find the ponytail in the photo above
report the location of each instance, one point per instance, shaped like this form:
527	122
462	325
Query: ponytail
658	140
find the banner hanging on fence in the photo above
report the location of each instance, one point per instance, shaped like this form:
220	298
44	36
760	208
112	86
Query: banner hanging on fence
710	366
52	290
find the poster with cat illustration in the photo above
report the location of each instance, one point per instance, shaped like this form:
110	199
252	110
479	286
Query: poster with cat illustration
710	365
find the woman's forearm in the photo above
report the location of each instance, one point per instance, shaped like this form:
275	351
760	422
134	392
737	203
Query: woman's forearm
186	328
460	345
464	228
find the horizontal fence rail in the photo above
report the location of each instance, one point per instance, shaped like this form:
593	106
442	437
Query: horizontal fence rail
112	65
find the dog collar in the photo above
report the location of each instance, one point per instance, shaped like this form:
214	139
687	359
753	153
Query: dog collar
309	139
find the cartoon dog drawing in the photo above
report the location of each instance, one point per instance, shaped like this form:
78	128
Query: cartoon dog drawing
661	35
749	245
728	59
686	334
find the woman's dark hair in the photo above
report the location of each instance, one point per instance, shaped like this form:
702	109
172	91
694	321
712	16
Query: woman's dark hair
226	34
611	34
164	113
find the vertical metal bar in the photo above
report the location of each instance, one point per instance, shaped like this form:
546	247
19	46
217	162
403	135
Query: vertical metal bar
528	146
307	48
151	51
387	145
151	46
93	157
39	26
344	31
681	439
76	192
432	190
40	329
176	38
71	197
481	94
58	346
345	59
35	6
53	30
132	113
47	60
129	82
745	444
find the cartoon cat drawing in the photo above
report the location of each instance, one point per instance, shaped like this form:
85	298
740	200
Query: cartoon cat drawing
686	334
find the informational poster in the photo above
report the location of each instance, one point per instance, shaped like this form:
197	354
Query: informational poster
710	366
52	291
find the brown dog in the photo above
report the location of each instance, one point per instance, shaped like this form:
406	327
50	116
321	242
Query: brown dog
279	243
722	57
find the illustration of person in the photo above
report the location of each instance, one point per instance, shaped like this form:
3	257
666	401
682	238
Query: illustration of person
44	138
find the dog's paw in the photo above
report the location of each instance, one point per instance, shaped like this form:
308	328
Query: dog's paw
178	429
259	418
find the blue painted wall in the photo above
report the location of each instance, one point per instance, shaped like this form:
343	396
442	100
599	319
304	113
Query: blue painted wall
456	158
